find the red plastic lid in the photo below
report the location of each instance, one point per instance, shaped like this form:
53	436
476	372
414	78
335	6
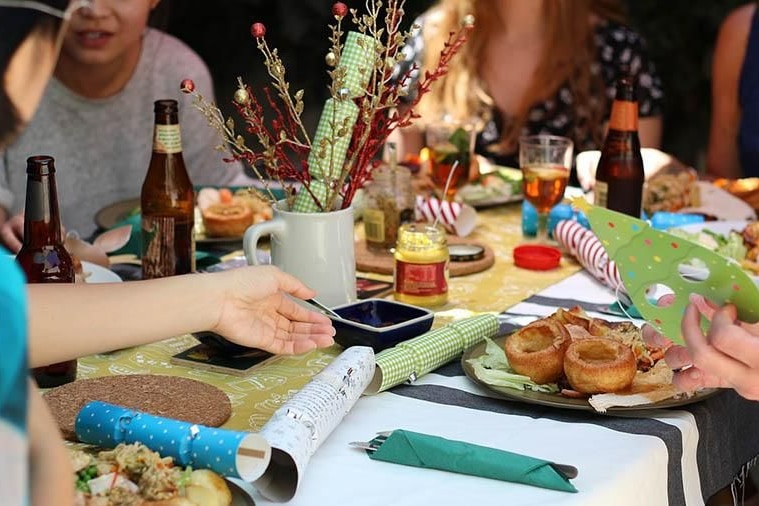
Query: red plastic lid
537	257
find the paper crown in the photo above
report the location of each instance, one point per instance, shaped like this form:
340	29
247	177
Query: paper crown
647	257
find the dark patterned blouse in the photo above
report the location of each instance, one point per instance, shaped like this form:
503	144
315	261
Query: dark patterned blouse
619	48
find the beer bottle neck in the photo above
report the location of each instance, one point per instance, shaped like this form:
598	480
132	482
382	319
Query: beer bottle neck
42	223
624	116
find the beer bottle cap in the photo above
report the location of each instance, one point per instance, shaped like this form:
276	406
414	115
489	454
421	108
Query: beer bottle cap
537	257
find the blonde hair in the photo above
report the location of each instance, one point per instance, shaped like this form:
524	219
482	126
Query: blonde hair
567	56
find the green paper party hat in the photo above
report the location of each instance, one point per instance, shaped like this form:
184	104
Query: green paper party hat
649	258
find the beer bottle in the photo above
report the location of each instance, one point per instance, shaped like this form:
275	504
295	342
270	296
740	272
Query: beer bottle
42	256
167	201
620	175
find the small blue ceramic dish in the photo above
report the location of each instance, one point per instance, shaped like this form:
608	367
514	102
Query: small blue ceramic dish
379	323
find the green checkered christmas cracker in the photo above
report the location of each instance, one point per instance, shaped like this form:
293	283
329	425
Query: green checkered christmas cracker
409	360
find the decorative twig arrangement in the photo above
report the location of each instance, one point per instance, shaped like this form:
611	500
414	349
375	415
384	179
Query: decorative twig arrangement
367	103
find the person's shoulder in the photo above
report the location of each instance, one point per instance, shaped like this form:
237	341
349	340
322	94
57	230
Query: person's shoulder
734	30
738	20
170	50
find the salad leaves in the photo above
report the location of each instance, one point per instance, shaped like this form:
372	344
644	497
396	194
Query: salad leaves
492	367
730	245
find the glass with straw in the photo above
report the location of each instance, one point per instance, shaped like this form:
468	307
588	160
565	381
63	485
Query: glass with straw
450	142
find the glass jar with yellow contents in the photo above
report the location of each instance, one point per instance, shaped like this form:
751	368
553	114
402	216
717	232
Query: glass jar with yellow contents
421	265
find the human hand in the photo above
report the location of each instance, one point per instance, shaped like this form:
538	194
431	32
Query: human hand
257	312
12	233
727	356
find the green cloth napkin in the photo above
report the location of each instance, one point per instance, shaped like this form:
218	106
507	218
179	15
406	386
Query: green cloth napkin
625	310
416	357
432	452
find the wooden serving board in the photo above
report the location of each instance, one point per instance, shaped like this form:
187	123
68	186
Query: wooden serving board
383	263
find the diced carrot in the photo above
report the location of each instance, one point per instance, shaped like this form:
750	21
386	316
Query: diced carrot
225	195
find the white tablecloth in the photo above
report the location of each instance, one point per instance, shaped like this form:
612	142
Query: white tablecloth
673	456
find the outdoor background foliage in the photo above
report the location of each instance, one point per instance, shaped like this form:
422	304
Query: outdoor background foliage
680	36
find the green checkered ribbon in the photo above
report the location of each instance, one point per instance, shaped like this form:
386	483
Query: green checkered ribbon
332	138
416	357
357	57
305	203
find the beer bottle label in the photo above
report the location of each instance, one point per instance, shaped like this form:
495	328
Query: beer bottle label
624	116
167	139
601	192
168	247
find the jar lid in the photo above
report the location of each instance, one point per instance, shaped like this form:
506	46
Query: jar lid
465	252
537	257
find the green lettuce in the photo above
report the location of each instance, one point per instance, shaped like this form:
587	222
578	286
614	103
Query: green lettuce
493	368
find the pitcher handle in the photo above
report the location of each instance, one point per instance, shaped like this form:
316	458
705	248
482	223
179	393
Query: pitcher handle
255	232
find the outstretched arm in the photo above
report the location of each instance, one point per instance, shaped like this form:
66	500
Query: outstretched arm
51	474
250	306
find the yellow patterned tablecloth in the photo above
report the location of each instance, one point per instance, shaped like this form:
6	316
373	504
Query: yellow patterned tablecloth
254	398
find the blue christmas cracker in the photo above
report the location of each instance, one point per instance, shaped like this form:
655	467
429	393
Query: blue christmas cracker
229	453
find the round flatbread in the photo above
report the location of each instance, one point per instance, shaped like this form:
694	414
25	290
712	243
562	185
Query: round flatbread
168	396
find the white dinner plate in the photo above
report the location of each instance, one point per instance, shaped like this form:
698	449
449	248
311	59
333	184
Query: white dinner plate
96	274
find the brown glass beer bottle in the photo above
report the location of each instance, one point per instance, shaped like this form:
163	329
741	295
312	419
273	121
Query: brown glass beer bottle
167	201
620	175
42	256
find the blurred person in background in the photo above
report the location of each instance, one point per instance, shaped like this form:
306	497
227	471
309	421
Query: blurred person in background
733	150
96	117
529	67
252	305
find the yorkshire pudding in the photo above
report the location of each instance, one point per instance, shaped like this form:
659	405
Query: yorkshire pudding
227	220
573	316
537	350
599	365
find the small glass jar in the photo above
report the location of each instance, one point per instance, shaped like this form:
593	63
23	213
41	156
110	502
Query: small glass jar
420	276
389	203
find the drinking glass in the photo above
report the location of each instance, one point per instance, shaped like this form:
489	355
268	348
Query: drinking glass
545	161
450	142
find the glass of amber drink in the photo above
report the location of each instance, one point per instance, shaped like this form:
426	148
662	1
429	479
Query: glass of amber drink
449	142
545	161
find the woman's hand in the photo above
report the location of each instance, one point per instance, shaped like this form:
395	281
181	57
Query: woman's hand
256	310
12	232
727	356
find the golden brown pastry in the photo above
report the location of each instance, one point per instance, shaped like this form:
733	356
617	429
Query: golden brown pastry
227	220
537	350
598	365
